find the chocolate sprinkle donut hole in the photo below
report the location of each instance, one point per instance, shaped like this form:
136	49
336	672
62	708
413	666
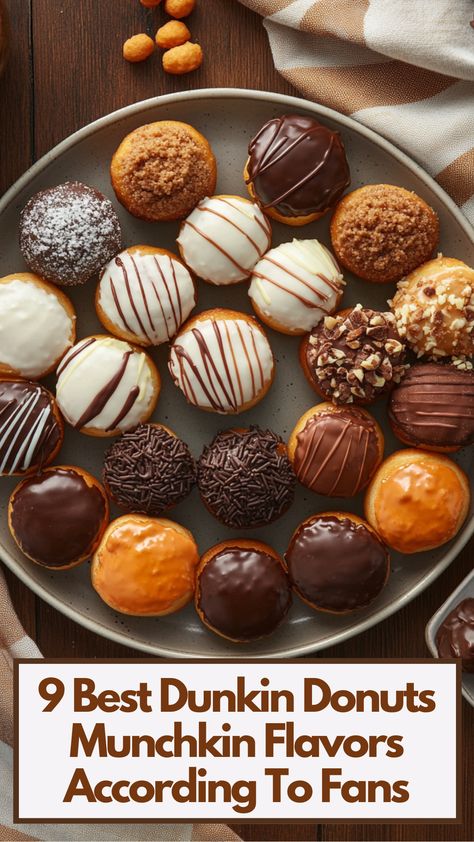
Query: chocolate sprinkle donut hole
245	477
148	470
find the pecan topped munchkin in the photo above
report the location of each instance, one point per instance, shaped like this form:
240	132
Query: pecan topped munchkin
354	356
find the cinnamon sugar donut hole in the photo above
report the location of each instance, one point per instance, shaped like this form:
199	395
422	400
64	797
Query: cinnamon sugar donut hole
381	232
417	500
162	170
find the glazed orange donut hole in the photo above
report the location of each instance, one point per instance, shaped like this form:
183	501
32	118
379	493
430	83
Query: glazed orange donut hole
417	500
145	566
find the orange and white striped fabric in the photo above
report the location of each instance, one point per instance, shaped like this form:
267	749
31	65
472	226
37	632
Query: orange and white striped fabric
14	643
405	68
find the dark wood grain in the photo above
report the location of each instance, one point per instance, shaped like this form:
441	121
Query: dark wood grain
73	74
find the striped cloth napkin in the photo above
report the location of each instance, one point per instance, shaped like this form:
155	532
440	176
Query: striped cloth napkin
14	643
405	68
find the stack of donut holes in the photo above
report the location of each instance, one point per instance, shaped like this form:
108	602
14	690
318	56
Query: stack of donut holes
415	355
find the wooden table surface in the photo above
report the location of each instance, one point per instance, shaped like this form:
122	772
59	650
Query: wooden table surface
66	70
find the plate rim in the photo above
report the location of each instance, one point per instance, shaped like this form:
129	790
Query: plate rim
283	100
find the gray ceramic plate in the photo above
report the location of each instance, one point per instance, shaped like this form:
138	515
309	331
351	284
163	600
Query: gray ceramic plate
463	591
229	118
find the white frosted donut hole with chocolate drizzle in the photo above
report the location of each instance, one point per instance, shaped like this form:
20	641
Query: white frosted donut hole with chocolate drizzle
37	325
144	295
222	361
223	238
295	285
106	386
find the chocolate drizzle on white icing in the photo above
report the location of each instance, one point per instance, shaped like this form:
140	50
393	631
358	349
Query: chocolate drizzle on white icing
221	364
148	295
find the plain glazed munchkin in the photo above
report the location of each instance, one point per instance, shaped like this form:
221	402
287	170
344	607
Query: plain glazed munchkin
354	356
145	566
417	500
223	238
242	590
381	232
433	407
57	517
149	470
297	169
295	285
336	450
37	326
106	386
455	636
162	170
144	295
222	361
31	427
68	233
245	478
434	309
336	562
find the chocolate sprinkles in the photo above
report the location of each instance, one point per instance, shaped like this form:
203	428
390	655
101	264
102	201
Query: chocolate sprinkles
148	470
245	477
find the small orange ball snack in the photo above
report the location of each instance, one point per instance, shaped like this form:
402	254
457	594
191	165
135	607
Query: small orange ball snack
172	34
138	48
184	59
179	8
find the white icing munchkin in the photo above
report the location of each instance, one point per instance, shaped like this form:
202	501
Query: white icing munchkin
296	284
105	384
147	295
223	238
222	364
35	328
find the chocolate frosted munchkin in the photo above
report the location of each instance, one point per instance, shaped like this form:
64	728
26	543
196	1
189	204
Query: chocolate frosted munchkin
31	427
245	477
334	450
106	386
144	295
148	470
242	590
337	562
297	169
455	636
433	407
354	356
222	361
57	517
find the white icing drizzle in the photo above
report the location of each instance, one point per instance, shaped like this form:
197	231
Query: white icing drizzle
147	295
296	284
221	363
19	430
35	328
105	384
223	238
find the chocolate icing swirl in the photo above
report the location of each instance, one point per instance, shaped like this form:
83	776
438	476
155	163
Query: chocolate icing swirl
57	518
29	430
337	452
297	166
336	564
455	637
243	593
148	470
245	477
434	406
